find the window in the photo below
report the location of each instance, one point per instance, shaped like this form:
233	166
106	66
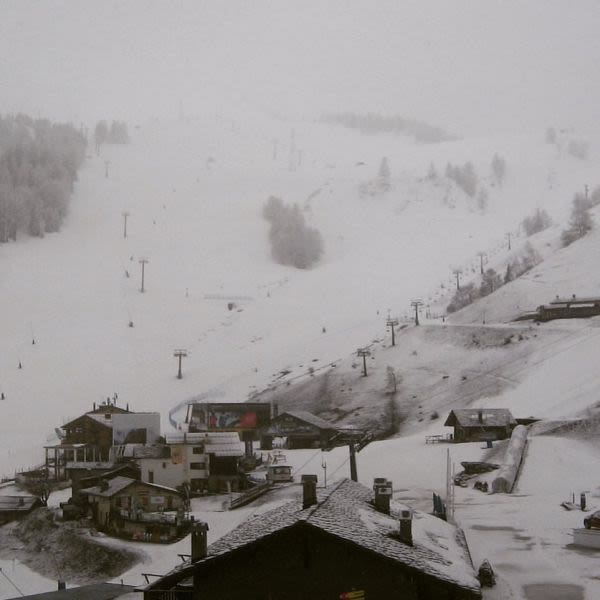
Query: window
164	465
150	476
198	466
198	450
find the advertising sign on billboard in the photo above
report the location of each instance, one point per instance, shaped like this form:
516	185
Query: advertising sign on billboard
239	416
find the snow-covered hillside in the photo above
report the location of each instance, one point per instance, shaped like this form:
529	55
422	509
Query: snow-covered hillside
194	192
198	223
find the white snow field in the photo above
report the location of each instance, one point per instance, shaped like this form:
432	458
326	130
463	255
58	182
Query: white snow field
199	224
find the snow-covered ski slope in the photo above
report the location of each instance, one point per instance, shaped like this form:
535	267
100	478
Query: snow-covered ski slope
194	191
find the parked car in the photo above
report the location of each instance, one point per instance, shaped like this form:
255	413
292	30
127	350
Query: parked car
592	521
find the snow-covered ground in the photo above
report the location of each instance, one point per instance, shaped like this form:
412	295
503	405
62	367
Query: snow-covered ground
199	224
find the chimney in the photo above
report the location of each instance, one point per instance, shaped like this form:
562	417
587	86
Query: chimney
274	410
383	494
480	415
406	527
199	540
94	407
61	585
309	490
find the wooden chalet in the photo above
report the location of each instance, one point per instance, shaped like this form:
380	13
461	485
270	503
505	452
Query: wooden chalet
480	424
13	508
137	510
87	439
326	545
302	430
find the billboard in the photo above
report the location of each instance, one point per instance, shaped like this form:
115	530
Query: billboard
224	416
135	428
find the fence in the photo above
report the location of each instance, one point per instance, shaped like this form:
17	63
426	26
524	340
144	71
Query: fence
250	495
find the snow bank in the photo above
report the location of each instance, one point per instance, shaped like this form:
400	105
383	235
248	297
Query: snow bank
512	460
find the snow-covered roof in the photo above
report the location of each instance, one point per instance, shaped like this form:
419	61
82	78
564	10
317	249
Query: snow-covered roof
345	511
480	417
94	591
303	415
19	503
118	484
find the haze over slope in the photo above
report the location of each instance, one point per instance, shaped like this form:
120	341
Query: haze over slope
469	66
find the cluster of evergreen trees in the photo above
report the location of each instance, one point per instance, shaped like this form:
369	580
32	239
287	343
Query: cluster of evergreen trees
536	222
375	123
581	221
38	167
293	242
378	185
115	134
465	177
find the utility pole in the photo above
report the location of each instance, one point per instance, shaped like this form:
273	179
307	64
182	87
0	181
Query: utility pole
457	273
416	303
143	262
481	255
586	190
353	469
106	163
125	215
364	352
179	354
392	323
508	236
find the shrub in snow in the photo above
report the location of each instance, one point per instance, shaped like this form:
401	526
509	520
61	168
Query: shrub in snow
579	149
293	242
498	169
537	222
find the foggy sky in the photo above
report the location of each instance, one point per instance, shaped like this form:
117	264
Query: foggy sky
470	66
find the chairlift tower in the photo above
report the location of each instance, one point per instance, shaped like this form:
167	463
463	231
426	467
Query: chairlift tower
143	262
179	353
416	303
391	323
364	352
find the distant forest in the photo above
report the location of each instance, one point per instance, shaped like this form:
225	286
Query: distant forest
374	123
38	167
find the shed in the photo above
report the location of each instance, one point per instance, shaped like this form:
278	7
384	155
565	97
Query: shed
13	508
481	424
301	428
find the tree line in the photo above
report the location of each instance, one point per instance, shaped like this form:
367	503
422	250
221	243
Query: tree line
39	161
115	134
375	123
